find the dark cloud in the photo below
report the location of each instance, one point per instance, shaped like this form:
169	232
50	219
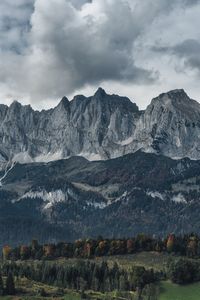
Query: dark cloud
14	23
188	50
80	3
52	47
191	2
68	48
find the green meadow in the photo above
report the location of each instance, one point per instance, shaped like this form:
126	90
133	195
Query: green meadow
170	291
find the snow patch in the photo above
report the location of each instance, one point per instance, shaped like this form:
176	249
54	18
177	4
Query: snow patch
90	156
22	158
124	195
100	205
58	196
178	142
49	157
179	198
9	167
50	198
155	194
126	142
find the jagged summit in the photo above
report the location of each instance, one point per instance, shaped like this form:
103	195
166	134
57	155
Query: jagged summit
178	100
15	105
64	103
176	95
100	92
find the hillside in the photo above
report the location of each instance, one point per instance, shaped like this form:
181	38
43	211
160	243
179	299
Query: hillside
73	198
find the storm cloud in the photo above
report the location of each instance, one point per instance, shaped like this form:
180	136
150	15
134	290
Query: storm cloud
50	48
188	51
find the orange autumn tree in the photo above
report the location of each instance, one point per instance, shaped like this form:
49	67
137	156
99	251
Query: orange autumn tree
170	242
6	252
48	250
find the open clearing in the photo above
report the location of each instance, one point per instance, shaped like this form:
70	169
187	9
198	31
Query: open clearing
170	291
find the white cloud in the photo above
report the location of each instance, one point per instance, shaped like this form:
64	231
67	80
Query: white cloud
49	48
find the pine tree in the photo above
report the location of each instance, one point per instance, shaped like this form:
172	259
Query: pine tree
1	286
10	285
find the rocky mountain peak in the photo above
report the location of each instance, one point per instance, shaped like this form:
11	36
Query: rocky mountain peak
172	97
177	94
176	100
64	103
113	102
100	93
15	105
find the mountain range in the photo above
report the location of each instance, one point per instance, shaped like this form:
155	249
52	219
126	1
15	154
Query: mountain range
101	127
99	166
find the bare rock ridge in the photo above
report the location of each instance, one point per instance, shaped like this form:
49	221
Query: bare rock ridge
101	127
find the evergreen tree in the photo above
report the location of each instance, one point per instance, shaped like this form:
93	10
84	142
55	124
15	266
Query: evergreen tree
42	293
1	286
10	284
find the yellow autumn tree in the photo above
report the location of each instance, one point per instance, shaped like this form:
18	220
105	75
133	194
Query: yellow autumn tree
6	252
170	243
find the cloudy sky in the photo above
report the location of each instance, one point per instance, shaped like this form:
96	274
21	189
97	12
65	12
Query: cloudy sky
137	48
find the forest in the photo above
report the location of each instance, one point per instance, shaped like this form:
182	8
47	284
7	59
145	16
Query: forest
81	266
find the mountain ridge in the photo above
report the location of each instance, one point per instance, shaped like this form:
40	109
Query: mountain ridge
100	127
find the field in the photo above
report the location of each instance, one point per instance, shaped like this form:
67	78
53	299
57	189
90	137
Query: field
171	291
155	260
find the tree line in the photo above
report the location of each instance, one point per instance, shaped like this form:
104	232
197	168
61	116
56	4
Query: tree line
187	245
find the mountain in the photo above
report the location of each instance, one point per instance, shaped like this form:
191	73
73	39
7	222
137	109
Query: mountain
142	171
171	126
101	127
74	198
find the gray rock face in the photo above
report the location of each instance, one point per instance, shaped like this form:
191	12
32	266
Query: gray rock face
171	126
101	127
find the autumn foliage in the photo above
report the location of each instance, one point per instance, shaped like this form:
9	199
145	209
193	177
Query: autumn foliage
188	245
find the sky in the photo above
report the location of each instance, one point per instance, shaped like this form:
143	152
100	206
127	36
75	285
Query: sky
134	48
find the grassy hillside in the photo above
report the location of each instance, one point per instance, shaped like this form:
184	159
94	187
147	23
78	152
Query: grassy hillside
155	260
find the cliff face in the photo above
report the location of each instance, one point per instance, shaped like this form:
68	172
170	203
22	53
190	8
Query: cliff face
171	126
101	127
